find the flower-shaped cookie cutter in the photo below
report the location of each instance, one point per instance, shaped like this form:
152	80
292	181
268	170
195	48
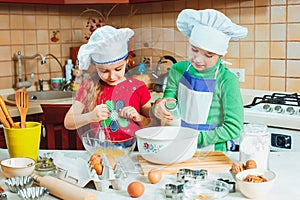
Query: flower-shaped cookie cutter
114	121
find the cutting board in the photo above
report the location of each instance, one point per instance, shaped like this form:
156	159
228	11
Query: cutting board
211	161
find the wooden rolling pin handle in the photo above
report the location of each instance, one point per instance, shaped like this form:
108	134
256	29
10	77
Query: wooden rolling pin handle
62	189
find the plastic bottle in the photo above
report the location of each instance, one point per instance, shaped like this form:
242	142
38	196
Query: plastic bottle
142	68
68	68
172	107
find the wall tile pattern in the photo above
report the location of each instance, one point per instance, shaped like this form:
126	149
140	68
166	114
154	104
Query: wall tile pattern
270	54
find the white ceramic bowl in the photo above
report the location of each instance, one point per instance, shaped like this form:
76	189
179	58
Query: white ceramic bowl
255	190
167	144
19	166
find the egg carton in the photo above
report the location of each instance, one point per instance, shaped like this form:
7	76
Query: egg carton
79	172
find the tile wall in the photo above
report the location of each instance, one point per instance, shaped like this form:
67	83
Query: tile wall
270	54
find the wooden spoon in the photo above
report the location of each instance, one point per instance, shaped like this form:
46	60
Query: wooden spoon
22	104
5	111
3	119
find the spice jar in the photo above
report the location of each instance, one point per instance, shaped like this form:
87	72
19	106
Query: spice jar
172	106
255	145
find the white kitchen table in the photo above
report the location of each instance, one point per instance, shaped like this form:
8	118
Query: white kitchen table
284	164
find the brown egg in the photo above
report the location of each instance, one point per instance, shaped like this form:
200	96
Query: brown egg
94	156
251	164
135	189
154	176
96	161
98	168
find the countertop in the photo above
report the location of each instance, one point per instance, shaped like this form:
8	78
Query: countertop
284	164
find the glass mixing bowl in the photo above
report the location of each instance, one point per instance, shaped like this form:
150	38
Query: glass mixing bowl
95	141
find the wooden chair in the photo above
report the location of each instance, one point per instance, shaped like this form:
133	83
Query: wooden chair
58	137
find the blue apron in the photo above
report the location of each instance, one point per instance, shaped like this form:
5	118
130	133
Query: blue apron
195	97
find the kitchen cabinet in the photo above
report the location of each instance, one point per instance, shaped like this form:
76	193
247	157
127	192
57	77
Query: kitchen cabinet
57	136
76	2
34	1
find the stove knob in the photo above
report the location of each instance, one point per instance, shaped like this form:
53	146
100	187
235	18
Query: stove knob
278	109
267	108
290	110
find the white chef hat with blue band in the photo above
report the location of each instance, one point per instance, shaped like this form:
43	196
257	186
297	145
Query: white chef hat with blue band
209	29
106	45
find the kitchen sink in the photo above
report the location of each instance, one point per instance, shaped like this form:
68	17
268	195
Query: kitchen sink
45	95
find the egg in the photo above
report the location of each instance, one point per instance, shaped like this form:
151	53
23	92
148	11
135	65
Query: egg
154	176
96	161
98	168
94	156
135	189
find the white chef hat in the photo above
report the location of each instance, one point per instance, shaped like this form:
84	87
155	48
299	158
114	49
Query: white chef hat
209	29
105	46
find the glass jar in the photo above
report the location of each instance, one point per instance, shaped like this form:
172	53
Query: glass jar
172	106
255	145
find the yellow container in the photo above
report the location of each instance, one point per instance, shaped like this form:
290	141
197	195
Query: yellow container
24	142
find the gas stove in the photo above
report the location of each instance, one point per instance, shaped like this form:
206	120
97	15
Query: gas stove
281	113
277	109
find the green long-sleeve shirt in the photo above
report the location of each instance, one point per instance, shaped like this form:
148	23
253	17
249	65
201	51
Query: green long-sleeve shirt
226	109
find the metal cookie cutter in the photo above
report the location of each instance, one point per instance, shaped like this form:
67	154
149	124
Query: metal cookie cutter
174	191
230	183
3	196
185	175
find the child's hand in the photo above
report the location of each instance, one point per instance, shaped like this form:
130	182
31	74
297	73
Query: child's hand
100	112
161	112
131	113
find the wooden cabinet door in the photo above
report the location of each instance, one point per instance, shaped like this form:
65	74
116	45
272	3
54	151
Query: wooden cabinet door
95	1
57	136
34	1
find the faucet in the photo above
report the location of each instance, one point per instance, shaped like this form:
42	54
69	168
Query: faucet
66	86
162	60
162	78
19	57
27	84
55	58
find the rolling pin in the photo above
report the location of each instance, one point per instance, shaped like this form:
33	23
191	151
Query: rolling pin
62	189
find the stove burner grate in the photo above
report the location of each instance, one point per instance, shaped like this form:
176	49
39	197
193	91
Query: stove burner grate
277	98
